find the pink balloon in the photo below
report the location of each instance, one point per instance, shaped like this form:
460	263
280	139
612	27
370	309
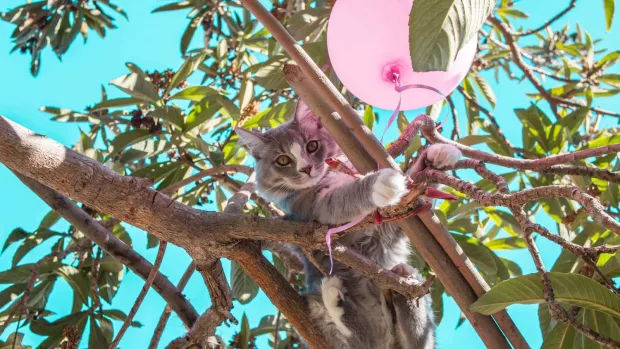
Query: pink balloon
367	40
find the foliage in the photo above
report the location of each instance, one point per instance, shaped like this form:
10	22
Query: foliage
166	128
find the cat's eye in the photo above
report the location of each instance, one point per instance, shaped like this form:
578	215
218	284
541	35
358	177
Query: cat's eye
283	160
312	146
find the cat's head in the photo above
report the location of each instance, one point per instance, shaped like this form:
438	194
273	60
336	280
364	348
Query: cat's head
292	156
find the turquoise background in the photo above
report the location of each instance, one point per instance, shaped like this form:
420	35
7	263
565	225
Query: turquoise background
152	42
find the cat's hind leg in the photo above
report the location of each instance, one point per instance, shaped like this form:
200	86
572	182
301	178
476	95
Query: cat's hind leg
333	294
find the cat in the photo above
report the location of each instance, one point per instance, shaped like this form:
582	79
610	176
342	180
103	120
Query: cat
351	310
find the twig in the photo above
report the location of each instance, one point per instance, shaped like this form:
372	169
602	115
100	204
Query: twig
490	115
163	320
94	281
143	292
276	335
570	6
456	134
550	164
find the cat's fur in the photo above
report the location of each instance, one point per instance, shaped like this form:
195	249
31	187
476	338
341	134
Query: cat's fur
349	309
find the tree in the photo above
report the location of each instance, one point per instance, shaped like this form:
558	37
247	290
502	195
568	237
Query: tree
149	158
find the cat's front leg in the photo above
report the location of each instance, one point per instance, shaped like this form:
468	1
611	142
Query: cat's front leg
348	198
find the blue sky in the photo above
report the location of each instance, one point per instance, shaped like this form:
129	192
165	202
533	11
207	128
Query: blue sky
152	42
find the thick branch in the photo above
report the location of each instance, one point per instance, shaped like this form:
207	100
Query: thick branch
114	247
279	291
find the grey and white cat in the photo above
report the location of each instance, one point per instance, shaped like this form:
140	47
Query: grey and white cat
350	310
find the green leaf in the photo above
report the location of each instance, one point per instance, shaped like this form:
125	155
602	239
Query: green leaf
128	138
574	120
190	65
561	337
245	333
271	117
481	255
486	89
137	86
610	79
78	281
16	235
511	12
119	315
151	241
475	139
188	34
571	289
49	220
438	29
14	341
22	273
369	117
10	293
175	6
243	287
610	8
116	103
437	301
53	330
195	93
97	339
173	115
510	243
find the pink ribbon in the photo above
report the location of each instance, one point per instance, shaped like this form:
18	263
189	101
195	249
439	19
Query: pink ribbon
400	89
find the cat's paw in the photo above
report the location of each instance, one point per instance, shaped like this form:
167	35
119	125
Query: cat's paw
389	187
443	155
404	270
332	292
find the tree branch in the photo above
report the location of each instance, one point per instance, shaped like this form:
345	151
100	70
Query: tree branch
114	247
163	320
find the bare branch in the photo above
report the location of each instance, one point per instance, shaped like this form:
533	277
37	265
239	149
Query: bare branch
163	320
561	14
143	292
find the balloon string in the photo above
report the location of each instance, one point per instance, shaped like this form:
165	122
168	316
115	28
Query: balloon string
335	230
399	89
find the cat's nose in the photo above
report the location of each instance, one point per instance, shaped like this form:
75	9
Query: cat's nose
306	169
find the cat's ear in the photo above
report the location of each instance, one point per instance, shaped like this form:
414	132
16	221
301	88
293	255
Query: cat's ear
251	139
303	114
